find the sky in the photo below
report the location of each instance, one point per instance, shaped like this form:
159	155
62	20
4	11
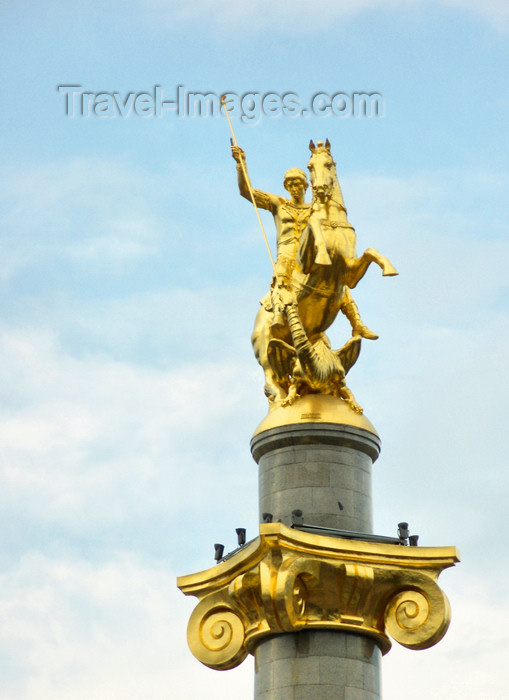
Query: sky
131	271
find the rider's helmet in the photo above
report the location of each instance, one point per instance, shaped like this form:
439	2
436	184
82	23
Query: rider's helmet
296	173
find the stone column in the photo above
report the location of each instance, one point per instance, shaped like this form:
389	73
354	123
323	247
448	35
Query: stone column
315	609
324	470
317	665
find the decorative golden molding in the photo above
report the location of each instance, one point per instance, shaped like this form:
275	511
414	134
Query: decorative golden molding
287	580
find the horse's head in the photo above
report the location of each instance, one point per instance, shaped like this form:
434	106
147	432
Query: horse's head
322	170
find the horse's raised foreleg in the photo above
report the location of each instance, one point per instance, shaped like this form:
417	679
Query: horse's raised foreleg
357	267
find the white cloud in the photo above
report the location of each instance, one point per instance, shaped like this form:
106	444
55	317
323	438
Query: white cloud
165	328
114	630
88	208
301	16
495	12
90	441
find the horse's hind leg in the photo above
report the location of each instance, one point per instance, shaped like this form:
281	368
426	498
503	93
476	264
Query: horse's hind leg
260	339
273	391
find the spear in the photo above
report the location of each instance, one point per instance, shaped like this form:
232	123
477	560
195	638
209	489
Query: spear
233	141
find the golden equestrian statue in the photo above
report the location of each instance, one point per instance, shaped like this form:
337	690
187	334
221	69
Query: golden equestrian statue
315	269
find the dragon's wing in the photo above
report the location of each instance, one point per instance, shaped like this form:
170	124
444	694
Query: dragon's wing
281	358
349	353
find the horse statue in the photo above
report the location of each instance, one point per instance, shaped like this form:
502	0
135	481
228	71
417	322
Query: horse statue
296	356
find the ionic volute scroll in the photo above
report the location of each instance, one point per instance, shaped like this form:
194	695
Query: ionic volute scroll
216	634
298	582
418	617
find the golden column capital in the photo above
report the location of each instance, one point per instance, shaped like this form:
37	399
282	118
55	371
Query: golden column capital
287	580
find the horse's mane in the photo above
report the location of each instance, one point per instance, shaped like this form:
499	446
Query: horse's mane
337	194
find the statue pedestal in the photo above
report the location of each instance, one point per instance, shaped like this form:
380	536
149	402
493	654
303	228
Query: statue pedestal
321	468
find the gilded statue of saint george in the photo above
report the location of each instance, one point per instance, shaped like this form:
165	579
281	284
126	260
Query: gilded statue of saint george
315	261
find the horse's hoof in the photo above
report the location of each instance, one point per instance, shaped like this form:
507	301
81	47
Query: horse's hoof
389	270
322	258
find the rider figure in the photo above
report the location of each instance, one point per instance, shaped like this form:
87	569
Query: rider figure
291	217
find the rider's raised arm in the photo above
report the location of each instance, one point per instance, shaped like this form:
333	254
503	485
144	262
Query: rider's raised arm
263	200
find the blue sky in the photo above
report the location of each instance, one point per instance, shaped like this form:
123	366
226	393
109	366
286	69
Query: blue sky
130	274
